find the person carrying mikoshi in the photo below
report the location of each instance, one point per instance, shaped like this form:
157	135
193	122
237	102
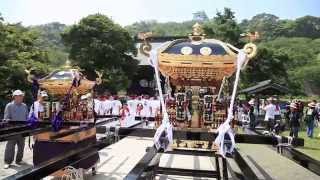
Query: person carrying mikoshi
106	104
124	114
147	108
16	110
38	106
139	107
116	106
155	107
132	106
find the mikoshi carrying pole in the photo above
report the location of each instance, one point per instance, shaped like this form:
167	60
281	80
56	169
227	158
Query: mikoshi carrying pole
165	128
225	128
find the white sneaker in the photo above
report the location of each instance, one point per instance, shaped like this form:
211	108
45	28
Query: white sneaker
6	166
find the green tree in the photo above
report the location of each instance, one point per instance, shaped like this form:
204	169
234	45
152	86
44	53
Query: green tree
271	27
223	27
50	41
308	26
265	24
161	29
97	43
301	51
298	60
268	64
18	51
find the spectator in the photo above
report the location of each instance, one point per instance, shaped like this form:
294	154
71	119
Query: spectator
318	115
294	120
270	110
251	113
37	107
287	115
277	114
311	117
300	107
116	106
16	111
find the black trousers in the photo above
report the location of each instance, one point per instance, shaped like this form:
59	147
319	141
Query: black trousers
10	150
271	124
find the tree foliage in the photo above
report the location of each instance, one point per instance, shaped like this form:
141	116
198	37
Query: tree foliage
18	51
50	41
268	64
271	27
161	29
224	27
265	24
288	51
97	43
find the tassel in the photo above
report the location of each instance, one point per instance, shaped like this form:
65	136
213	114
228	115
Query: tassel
57	121
32	120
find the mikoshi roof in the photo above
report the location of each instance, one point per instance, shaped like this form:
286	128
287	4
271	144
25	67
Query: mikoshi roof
59	81
197	58
188	47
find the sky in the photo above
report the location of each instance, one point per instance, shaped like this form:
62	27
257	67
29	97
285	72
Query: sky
125	12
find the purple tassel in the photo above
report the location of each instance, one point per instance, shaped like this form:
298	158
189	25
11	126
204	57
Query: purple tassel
32	120
57	121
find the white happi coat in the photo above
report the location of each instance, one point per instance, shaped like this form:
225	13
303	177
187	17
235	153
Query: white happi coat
102	107
116	106
146	111
132	105
155	106
36	108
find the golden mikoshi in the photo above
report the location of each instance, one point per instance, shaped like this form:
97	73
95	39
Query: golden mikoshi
197	60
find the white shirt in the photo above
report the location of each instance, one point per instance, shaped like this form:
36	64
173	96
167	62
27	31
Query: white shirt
132	105
270	111
155	105
102	107
278	111
38	108
146	111
106	106
116	106
97	107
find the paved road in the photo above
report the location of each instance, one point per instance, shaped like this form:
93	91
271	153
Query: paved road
118	159
268	164
15	168
28	155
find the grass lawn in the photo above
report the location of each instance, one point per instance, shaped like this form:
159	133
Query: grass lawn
311	145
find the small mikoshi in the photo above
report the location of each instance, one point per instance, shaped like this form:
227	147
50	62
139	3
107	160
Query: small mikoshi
197	67
71	100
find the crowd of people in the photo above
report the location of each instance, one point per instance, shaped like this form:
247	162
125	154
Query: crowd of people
128	108
279	116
